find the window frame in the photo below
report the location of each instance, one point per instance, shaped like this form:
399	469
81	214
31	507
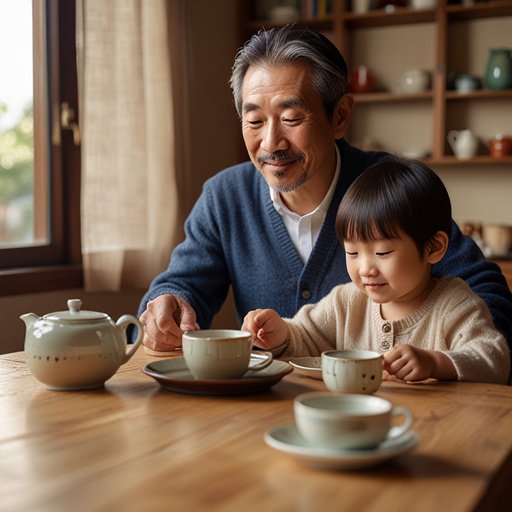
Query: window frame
57	265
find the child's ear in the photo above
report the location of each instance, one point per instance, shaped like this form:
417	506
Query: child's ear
436	248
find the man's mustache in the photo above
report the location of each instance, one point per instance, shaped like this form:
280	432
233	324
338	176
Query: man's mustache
279	156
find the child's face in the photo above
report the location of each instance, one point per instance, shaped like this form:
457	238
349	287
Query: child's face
389	270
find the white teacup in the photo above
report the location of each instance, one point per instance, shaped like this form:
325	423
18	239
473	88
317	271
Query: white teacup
352	371
330	420
221	353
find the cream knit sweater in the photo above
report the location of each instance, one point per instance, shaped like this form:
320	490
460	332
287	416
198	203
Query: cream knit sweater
453	320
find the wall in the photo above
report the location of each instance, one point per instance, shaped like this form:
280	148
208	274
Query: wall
215	127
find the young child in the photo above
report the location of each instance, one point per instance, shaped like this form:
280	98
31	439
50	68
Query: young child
394	222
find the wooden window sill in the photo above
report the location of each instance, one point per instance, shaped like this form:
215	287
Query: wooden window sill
40	279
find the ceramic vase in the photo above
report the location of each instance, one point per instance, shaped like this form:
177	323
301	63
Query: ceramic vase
499	69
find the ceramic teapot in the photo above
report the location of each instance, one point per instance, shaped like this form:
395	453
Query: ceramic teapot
70	350
464	143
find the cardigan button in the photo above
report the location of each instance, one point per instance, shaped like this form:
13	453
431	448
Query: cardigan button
384	345
386	327
305	294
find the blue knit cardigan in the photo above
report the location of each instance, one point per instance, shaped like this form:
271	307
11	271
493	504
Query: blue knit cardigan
235	237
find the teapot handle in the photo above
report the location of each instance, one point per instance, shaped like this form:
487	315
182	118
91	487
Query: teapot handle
452	136
123	322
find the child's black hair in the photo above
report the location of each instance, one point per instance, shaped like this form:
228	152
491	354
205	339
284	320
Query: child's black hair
392	196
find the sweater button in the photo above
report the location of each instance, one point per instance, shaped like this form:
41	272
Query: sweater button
384	345
386	327
305	294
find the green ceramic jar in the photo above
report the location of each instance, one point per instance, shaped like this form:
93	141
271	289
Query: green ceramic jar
499	69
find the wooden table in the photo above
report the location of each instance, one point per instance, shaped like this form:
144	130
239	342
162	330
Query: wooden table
133	446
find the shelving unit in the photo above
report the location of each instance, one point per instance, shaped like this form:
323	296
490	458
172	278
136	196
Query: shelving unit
435	105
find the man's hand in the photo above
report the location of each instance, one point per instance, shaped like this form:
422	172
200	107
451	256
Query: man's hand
165	320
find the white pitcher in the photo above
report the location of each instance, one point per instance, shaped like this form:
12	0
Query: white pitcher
464	143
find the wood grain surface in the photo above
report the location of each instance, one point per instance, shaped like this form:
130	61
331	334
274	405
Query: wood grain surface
133	446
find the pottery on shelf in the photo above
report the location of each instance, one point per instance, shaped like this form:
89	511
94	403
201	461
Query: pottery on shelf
499	69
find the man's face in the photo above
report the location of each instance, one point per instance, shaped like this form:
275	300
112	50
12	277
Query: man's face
285	127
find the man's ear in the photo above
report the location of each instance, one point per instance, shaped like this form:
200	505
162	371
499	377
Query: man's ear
342	115
436	247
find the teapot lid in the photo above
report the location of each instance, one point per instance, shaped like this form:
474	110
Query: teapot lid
74	313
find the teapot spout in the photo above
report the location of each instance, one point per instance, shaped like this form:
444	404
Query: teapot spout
29	319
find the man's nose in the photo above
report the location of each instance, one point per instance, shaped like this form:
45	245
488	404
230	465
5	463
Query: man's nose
273	138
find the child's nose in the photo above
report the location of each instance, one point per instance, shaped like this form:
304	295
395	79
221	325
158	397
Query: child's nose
367	267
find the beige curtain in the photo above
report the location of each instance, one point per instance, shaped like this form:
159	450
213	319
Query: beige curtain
128	52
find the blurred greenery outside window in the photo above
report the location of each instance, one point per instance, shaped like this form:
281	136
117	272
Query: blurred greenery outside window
17	171
39	158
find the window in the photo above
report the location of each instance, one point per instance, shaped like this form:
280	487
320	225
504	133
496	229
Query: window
39	157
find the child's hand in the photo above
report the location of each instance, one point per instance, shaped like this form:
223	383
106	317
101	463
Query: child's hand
267	327
409	363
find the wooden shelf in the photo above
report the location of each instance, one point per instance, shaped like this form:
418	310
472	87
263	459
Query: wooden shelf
477	160
342	27
491	9
483	94
382	18
390	97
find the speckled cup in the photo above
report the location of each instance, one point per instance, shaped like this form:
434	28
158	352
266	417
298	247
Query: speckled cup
352	371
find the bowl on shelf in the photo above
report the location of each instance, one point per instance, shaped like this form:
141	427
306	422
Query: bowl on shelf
361	80
500	145
414	81
467	83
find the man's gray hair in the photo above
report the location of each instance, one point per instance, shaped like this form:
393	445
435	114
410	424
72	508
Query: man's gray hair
290	44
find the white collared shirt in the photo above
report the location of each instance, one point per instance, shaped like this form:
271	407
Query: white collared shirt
304	230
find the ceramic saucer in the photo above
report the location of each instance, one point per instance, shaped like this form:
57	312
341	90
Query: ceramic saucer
287	439
173	375
309	366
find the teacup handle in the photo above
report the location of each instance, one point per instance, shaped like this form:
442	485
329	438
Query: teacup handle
123	322
266	359
399	430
